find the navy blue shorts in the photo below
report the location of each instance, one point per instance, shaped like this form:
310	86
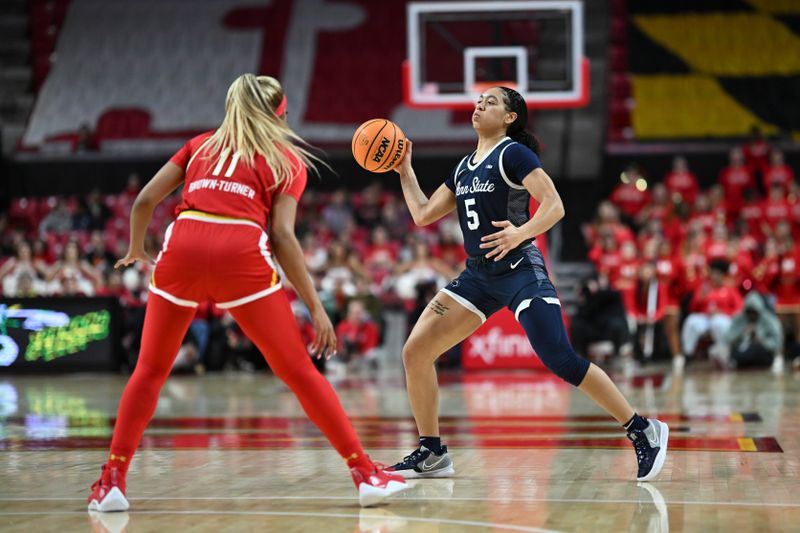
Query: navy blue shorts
486	286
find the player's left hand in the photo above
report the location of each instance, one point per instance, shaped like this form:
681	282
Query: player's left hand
503	241
133	255
324	344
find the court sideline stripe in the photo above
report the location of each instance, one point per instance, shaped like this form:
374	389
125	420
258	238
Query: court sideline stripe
402	499
395	518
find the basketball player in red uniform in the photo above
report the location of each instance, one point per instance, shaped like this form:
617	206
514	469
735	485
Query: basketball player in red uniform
236	179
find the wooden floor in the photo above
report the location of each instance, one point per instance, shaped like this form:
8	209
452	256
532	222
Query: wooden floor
234	453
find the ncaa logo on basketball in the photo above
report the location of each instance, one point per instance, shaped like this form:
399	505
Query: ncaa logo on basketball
381	150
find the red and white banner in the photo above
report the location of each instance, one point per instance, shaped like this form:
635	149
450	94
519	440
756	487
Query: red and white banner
499	343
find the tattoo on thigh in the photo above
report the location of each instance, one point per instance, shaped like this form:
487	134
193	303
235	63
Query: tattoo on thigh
438	308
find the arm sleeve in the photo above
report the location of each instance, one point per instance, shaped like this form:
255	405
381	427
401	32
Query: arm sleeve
519	161
297	184
182	156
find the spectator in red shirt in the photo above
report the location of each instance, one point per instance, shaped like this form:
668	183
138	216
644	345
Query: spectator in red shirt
775	208
652	232
717	246
605	255
694	261
717	203
659	207
703	218
681	182
676	227
787	289
752	211
741	265
631	194
735	178
381	255
778	172
606	221
669	270
357	334
625	276
794	205
756	151
767	270
712	309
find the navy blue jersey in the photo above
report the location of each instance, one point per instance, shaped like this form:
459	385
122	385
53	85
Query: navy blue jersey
491	190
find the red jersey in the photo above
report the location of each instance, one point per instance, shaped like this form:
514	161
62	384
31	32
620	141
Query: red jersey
357	337
716	249
752	212
741	270
629	199
765	273
705	220
735	181
756	154
683	183
775	211
725	300
625	280
668	270
605	262
781	174
229	187
787	288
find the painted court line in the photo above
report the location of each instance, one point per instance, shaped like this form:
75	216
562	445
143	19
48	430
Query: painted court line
402	499
393	518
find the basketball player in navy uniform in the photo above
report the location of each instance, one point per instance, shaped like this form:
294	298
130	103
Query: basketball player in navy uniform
491	189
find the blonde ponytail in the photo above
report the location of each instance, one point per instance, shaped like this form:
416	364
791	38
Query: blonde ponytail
251	127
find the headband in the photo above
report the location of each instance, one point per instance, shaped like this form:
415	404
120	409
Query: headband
281	109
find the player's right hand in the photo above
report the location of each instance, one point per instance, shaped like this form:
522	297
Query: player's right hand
132	256
324	344
405	165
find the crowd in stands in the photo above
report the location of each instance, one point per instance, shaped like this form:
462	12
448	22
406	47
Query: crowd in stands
362	249
708	271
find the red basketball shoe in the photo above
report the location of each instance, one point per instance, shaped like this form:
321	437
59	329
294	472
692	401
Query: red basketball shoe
108	492
376	486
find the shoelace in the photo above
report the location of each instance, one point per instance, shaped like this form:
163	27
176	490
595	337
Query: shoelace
414	456
641	447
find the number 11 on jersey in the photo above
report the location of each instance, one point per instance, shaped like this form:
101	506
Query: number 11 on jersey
222	158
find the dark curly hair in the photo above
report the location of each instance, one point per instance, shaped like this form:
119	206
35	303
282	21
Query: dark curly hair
515	103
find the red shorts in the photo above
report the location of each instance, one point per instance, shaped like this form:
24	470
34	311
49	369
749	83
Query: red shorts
212	258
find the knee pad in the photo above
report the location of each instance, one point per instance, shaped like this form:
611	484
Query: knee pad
545	329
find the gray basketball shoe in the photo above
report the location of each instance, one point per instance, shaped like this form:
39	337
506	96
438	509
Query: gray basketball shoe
424	463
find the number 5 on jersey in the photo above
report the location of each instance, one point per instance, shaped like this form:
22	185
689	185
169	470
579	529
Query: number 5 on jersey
472	217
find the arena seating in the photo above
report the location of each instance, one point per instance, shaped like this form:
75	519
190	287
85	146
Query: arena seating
159	69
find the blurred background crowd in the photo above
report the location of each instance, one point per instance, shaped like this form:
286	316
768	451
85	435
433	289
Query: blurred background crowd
694	272
363	250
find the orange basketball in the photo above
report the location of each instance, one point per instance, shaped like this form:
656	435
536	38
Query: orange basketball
379	145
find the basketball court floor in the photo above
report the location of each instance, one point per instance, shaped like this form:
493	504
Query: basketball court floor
235	453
